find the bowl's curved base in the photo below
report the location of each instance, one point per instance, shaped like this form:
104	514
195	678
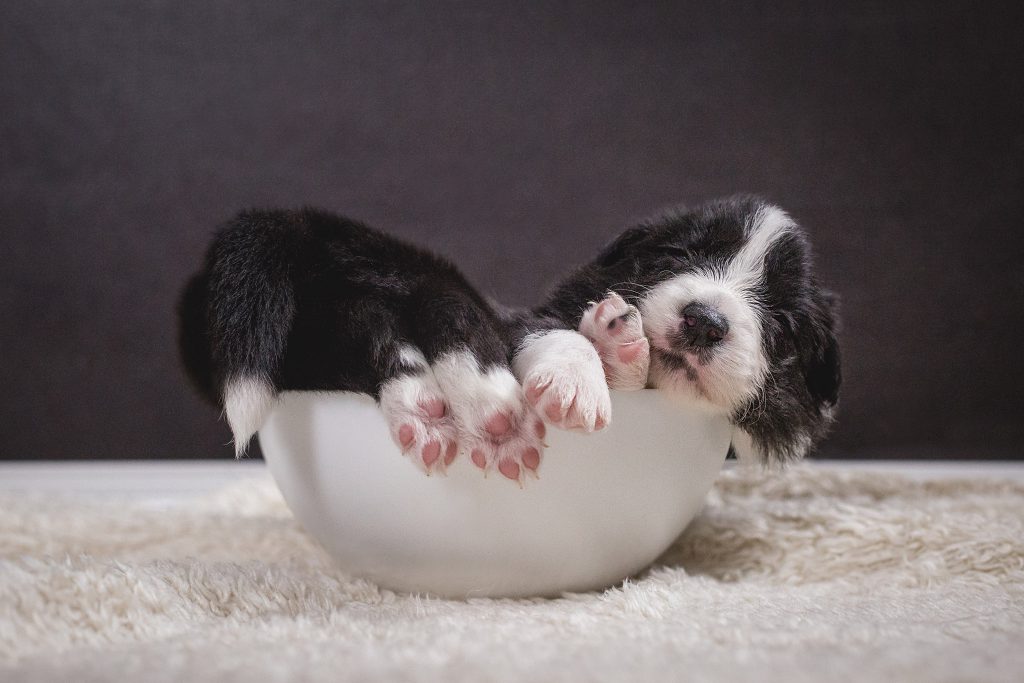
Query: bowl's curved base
605	506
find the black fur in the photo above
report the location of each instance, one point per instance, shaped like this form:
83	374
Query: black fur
309	300
794	408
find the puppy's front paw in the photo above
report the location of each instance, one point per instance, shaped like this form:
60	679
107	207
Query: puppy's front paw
615	329
564	381
420	420
495	423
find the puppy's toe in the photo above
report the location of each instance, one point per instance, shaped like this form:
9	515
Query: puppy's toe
495	421
564	381
616	331
420	420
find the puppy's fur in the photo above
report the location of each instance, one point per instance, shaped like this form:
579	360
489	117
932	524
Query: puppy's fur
777	372
309	300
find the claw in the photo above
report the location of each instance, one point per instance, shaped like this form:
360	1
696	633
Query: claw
535	391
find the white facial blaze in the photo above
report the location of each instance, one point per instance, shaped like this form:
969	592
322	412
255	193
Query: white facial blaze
736	368
764	229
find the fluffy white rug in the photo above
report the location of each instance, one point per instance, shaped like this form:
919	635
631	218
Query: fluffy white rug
805	576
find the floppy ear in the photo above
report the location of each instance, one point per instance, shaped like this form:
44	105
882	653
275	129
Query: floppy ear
625	246
744	448
793	411
821	365
773	430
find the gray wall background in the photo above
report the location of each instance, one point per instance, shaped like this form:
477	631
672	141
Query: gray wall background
516	139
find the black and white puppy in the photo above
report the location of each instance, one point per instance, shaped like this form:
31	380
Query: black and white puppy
731	318
307	300
719	306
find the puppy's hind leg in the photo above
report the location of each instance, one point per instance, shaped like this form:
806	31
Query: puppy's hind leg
461	340
417	411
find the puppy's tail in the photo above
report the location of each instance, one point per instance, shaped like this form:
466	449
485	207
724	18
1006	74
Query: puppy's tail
236	316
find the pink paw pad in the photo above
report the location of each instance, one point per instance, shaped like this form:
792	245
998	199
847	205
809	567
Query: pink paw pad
510	469
531	458
498	425
420	421
631	351
616	331
449	455
431	452
478	458
563	412
610	318
405	436
434	408
510	442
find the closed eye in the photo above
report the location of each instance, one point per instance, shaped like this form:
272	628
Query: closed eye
680	252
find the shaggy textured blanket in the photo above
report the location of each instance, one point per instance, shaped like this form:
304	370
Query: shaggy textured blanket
808	575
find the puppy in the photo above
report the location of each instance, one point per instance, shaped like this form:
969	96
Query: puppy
306	300
717	306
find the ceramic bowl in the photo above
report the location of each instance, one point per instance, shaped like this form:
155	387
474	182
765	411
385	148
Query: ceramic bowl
604	507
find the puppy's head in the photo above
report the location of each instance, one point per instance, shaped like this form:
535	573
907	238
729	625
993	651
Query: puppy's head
736	319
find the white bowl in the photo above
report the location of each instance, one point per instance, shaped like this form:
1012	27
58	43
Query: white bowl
605	506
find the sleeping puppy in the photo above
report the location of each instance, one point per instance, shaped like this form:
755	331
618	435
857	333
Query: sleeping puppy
306	300
716	305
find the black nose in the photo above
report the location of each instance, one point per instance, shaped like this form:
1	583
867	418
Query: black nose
702	325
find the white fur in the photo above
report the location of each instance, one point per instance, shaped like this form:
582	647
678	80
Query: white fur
412	358
476	395
738	365
816	574
401	399
401	396
766	227
570	366
247	402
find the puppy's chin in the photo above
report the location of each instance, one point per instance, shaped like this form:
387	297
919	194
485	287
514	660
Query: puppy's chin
718	389
705	377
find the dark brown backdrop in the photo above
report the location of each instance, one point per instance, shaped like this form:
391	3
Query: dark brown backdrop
516	141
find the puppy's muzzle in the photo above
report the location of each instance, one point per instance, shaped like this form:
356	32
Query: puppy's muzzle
702	326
